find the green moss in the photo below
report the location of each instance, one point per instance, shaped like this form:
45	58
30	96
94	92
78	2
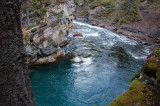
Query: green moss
135	76
82	10
106	2
117	18
131	16
31	26
58	2
155	4
157	52
41	11
59	16
136	95
96	3
46	2
128	12
153	64
119	53
107	13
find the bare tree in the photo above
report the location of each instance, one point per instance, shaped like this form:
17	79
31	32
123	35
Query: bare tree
15	87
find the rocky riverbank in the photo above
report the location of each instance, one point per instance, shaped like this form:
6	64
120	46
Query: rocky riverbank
144	90
140	22
43	41
137	20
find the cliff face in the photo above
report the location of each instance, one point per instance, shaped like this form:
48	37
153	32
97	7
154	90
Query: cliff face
136	19
43	41
145	90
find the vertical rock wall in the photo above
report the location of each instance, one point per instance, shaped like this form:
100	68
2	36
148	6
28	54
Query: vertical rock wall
42	41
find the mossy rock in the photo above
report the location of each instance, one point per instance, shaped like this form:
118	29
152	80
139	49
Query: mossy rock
138	94
120	54
152	66
157	52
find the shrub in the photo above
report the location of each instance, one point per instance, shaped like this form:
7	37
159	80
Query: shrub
129	12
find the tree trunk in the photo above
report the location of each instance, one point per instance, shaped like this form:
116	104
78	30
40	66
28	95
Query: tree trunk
15	87
27	13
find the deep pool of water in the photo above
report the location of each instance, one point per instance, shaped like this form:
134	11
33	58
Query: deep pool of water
95	75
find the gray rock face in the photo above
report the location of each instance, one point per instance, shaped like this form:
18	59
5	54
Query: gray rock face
49	47
43	40
154	34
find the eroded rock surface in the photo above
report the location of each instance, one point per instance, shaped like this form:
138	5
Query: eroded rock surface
43	42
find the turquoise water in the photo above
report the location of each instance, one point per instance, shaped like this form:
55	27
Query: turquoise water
95	74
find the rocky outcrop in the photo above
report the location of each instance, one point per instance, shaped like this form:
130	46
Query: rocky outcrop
138	20
43	42
144	91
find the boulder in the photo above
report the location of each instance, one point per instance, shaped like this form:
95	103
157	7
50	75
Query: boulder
154	34
63	43
78	35
50	58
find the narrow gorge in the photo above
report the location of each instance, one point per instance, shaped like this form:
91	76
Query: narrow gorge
84	63
80	53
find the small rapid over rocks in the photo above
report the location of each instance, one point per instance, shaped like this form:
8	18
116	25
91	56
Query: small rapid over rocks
93	70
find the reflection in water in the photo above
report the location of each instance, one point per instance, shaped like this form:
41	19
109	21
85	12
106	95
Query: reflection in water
92	71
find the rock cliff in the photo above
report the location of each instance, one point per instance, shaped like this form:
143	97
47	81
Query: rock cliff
43	38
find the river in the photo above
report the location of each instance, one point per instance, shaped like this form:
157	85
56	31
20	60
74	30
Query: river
97	74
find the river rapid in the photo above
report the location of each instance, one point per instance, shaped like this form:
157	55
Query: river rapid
95	74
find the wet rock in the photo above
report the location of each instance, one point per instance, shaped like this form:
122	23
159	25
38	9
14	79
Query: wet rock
78	35
63	43
154	34
34	30
43	24
49	47
30	50
82	55
71	54
115	29
50	58
102	25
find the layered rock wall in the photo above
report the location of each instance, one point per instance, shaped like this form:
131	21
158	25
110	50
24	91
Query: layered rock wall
42	41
